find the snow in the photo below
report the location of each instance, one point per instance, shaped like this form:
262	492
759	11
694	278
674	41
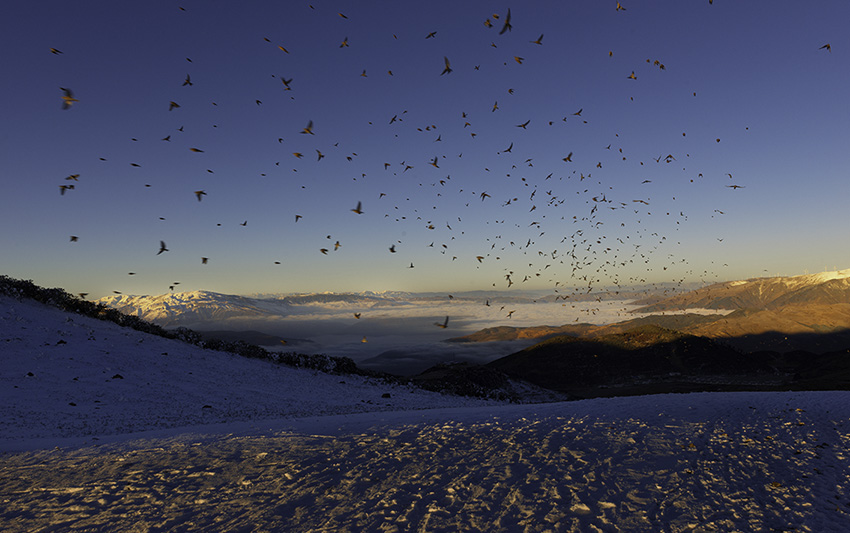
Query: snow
823	277
282	449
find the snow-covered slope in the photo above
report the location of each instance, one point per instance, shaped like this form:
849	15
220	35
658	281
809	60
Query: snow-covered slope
67	375
230	444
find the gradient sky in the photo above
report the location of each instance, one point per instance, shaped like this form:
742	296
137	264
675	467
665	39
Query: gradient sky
751	74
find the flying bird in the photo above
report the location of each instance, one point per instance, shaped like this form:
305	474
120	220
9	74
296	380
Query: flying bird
358	209
55	51
200	194
507	26
162	247
67	98
172	105
632	76
539	40
309	128
444	324
827	46
448	66
187	81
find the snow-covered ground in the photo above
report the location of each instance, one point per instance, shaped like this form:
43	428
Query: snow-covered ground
280	449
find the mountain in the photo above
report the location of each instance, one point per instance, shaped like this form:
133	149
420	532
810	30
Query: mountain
810	312
826	288
191	307
182	308
640	355
650	359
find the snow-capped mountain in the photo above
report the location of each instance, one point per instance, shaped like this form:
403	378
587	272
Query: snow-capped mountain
195	306
762	293
180	308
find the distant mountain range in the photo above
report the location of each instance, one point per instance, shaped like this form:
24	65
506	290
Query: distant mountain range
197	307
810	312
577	361
180	308
826	288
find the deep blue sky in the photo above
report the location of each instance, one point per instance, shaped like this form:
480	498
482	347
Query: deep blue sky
764	87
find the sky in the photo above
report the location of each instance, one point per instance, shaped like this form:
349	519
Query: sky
461	172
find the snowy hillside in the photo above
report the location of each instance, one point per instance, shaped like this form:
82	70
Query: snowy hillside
151	434
68	375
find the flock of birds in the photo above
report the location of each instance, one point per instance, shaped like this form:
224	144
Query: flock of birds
586	255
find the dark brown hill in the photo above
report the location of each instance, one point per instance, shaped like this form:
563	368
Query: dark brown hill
827	288
645	356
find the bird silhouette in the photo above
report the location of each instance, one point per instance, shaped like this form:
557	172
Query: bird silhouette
507	25
67	98
448	66
162	247
358	209
444	324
